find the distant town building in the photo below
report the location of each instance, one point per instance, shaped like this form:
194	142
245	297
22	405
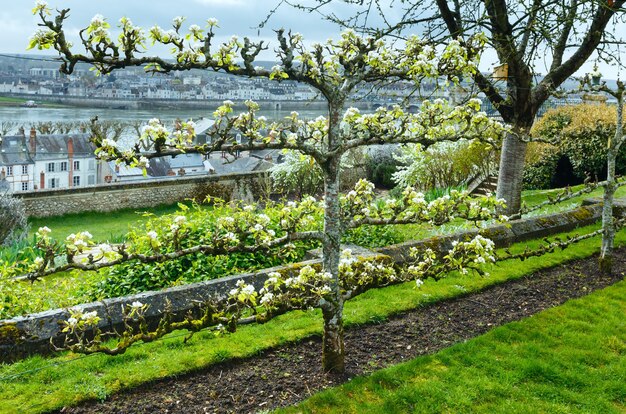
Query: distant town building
62	160
47	161
16	165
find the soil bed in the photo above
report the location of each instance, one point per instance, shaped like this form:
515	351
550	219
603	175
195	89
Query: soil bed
286	375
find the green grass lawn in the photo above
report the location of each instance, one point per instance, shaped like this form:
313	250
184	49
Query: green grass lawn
39	384
569	359
534	197
111	226
11	101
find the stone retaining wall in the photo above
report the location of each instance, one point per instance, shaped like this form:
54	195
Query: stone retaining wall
144	194
23	336
504	234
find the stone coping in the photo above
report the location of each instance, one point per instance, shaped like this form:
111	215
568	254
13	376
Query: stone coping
126	185
31	334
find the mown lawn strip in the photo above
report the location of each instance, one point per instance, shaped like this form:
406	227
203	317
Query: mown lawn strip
568	359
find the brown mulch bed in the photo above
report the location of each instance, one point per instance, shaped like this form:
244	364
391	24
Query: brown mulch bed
288	374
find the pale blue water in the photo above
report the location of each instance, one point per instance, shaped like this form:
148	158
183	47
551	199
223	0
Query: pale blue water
26	116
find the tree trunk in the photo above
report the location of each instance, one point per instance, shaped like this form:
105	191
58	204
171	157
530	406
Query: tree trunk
333	353
512	169
608	225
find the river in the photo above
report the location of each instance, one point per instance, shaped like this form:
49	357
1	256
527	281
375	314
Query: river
27	116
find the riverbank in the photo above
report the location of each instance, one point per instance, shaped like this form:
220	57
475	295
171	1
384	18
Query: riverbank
14	102
143	104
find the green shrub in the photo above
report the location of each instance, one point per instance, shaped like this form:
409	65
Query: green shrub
539	175
373	236
13	220
381	164
445	164
581	133
382	174
133	277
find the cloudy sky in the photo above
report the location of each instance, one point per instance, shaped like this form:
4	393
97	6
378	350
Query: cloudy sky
241	17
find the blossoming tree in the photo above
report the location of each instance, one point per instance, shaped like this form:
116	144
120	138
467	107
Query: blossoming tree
609	225
335	69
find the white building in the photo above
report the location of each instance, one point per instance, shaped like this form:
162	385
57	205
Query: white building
16	165
62	161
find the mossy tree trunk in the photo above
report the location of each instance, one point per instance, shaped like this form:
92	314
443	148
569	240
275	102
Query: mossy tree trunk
333	352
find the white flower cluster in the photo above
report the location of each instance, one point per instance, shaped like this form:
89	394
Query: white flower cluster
178	222
98	30
77	243
143	162
80	321
152	237
359	200
183	136
135	310
178	21
104	251
355	271
463	256
107	144
154	131
244	293
43	232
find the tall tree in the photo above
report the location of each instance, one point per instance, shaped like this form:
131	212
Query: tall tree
528	36
336	70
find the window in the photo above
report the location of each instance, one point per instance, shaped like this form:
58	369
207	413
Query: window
10	170
91	180
63	166
25	186
53	183
76	180
24	169
50	167
92	165
76	165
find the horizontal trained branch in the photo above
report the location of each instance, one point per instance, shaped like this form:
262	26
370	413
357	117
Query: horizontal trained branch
245	229
564	195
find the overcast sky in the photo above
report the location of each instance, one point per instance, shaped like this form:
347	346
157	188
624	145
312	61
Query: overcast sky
240	17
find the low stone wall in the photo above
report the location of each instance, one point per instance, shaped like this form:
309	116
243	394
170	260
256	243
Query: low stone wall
504	234
23	336
28	335
144	194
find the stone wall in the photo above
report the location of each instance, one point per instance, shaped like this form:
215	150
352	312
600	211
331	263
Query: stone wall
27	335
504	234
144	194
